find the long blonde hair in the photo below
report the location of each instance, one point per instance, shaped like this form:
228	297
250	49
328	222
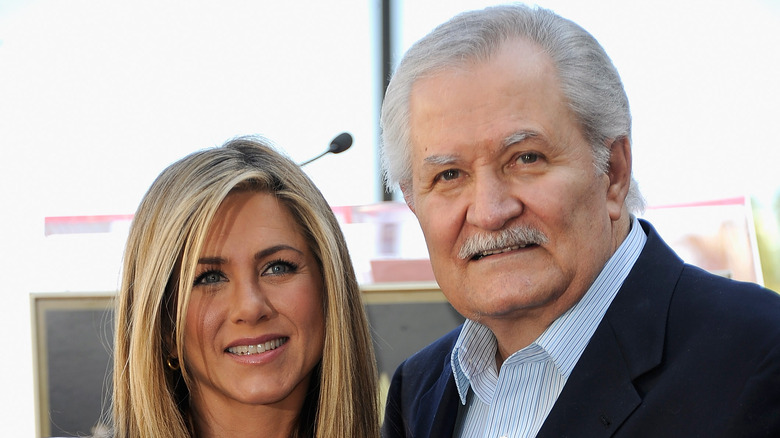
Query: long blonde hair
168	231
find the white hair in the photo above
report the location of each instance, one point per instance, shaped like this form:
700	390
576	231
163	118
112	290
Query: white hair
588	79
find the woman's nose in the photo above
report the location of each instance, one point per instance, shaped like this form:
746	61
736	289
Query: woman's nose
250	304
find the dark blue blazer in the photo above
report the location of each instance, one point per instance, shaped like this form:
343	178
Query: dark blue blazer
679	353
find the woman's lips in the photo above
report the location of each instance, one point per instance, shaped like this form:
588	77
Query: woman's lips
262	347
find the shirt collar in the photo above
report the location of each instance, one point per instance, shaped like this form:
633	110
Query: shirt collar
567	336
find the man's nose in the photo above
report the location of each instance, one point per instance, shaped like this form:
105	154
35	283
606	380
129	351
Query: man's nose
493	204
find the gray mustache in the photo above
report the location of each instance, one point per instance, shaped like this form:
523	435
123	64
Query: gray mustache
515	236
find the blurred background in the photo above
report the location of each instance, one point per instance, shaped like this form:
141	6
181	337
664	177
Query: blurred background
97	97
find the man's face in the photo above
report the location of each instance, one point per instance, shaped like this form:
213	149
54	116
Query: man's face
495	147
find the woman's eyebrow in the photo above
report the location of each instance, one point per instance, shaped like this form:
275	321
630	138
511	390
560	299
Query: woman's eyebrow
216	260
212	261
274	249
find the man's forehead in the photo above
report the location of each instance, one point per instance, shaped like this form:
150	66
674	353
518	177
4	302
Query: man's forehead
515	49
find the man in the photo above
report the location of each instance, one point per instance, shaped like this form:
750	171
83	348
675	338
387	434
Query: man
509	132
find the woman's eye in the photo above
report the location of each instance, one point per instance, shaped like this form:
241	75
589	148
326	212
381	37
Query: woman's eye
209	277
528	157
280	268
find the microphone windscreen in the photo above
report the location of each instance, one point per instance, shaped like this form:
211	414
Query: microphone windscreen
341	143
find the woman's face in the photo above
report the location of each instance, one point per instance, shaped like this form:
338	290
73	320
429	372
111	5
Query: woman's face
255	326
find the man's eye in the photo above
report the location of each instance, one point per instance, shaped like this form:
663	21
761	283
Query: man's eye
449	174
528	157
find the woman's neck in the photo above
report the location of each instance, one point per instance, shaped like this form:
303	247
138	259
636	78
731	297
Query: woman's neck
221	420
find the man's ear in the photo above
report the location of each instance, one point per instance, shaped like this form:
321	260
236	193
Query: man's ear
406	189
619	173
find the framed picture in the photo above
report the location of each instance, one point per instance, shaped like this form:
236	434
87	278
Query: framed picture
72	334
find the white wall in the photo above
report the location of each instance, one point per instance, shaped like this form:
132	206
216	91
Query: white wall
97	97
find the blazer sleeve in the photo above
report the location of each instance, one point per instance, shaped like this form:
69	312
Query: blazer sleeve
758	407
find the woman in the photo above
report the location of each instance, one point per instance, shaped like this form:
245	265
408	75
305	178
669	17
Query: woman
239	312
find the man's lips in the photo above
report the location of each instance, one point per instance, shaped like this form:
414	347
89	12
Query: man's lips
484	244
484	254
262	347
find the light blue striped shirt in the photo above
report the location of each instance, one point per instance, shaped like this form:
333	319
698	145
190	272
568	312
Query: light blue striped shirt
515	401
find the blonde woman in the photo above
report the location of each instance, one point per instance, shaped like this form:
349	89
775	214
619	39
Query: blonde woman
239	312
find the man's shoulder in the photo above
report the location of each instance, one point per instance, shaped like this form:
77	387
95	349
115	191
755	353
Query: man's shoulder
434	358
744	303
697	311
422	387
694	292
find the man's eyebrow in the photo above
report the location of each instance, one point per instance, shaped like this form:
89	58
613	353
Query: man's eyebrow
518	137
448	159
441	160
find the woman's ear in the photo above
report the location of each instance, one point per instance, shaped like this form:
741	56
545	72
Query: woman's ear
168	322
169	344
619	173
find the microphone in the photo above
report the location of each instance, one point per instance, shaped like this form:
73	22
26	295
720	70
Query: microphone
341	143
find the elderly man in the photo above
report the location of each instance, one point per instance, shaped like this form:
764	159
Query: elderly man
509	132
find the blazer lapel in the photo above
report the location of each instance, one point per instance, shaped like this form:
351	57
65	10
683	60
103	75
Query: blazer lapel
601	393
597	397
